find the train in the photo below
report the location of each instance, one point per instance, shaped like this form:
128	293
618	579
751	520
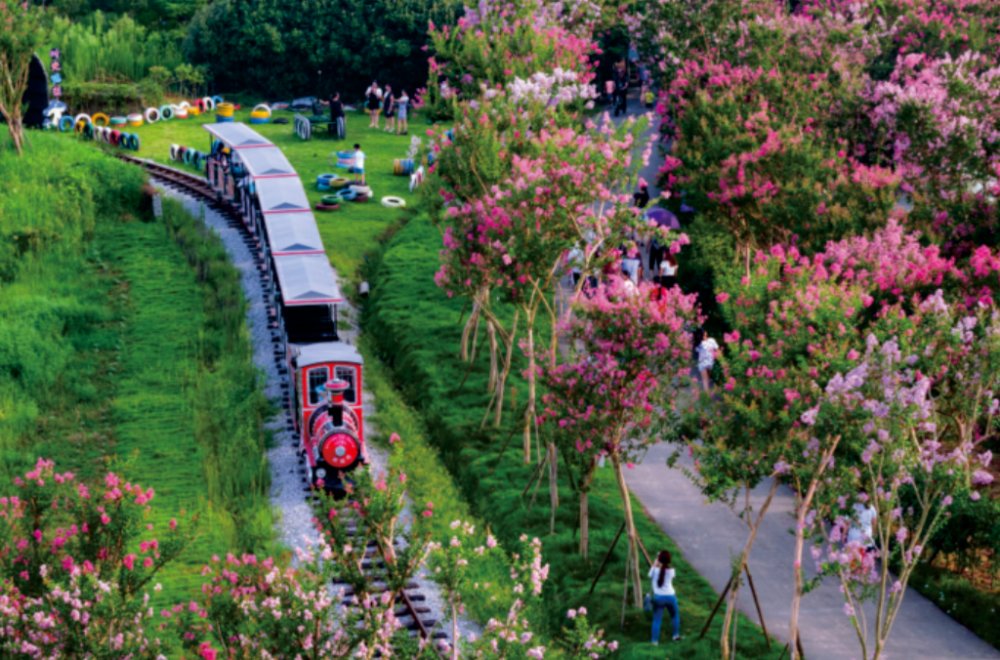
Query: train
327	372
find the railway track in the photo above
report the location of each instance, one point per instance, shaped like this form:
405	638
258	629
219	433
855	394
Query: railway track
411	609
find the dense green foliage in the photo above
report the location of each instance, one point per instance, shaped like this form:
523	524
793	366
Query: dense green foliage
416	329
119	348
277	48
154	14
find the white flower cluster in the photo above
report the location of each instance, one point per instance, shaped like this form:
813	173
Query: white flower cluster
554	88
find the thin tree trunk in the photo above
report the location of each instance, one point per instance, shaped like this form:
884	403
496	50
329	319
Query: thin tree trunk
800	522
754	525
585	509
633	535
454	631
553	486
529	411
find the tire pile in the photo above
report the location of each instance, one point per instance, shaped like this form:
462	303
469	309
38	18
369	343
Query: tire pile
188	156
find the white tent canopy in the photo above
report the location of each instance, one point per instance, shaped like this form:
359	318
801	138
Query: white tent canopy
266	162
237	135
282	195
292	233
307	279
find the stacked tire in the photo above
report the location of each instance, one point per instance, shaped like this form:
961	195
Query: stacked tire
188	156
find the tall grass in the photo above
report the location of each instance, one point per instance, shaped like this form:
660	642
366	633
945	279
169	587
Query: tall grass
111	49
122	344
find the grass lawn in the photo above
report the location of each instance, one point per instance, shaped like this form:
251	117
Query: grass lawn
349	233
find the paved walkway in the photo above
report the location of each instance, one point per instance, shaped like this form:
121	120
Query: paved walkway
711	535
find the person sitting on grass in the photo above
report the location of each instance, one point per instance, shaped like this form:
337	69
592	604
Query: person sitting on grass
662	576
402	105
359	163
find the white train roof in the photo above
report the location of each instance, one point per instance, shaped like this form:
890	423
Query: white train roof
333	351
283	195
266	162
292	233
307	279
237	135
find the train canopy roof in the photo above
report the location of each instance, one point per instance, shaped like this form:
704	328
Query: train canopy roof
327	352
266	162
292	233
237	135
283	195
307	279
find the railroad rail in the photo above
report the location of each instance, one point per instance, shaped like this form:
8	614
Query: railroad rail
410	611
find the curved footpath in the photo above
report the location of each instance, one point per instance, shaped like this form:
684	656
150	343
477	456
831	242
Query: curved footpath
288	493
711	536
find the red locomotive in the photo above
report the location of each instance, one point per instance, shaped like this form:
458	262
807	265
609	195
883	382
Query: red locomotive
248	171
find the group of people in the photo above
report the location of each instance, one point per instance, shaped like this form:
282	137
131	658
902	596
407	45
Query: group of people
395	108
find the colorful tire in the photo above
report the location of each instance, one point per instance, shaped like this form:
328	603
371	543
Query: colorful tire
166	112
216	100
260	120
114	137
338	182
100	119
348	195
330	199
174	148
188	155
135	144
327	207
135	119
194	111
183	104
391	202
118	121
224	110
263	109
361	189
219	119
152	115
181	113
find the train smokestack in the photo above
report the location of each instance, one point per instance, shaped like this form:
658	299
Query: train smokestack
335	390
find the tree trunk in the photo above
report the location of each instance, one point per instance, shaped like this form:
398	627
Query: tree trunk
454	631
529	411
16	128
633	535
585	482
800	521
754	525
553	486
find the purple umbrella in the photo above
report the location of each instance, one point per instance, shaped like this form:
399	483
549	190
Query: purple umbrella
663	218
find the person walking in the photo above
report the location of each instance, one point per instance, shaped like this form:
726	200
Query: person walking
389	110
664	598
667	277
402	107
707	351
338	120
359	163
621	90
373	101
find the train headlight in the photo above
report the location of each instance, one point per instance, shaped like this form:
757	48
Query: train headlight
321	473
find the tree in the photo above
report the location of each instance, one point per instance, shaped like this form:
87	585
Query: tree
914	413
617	392
20	31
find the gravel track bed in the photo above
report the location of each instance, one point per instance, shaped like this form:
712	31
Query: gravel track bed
288	485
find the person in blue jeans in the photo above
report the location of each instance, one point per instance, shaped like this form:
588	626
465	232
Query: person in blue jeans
662	577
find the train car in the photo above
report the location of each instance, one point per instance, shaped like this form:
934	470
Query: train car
250	172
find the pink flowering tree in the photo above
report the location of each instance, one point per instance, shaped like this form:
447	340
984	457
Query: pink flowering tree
913	414
76	562
615	393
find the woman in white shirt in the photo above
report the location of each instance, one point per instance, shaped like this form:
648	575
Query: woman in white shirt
707	350
662	577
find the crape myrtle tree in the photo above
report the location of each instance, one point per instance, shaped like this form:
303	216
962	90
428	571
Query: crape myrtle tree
616	393
795	319
495	42
914	413
522	185
20	33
